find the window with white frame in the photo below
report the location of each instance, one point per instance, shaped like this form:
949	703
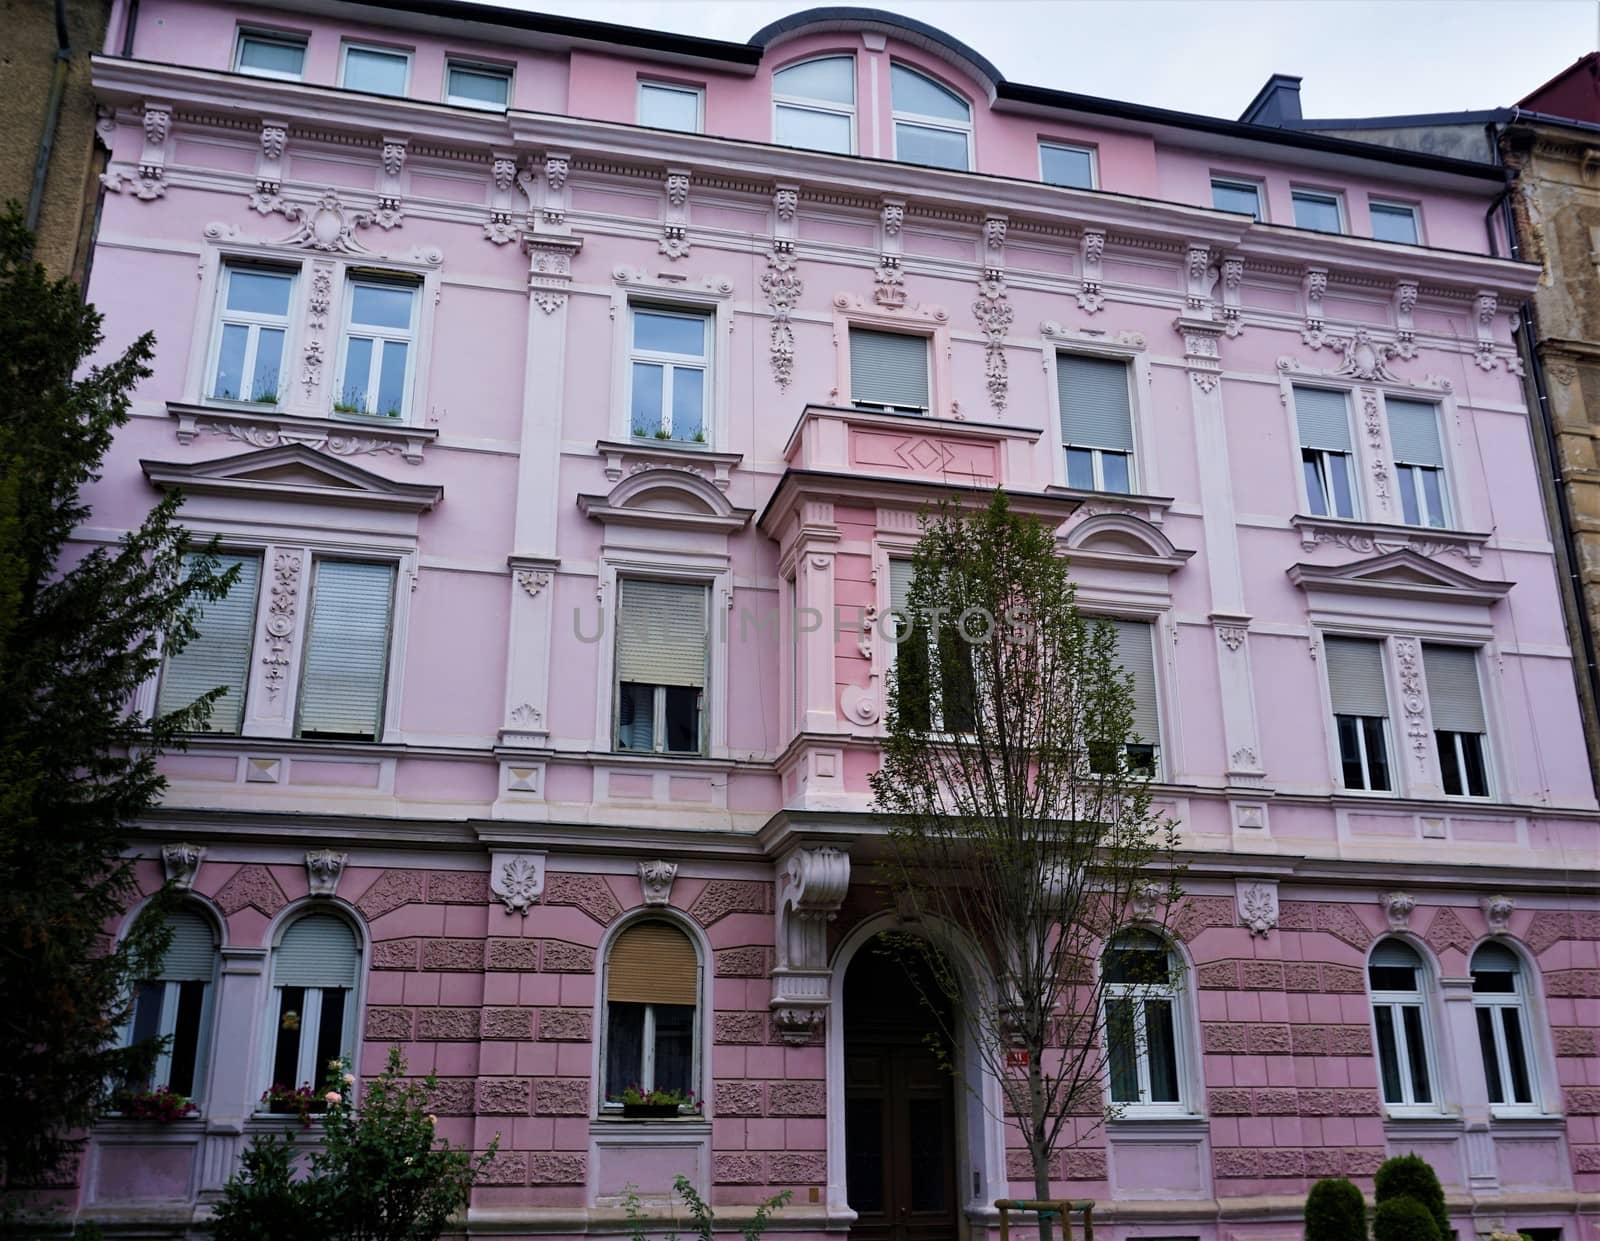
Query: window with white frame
264	54
1229	194
1144	1057
1394	222
315	967
932	124
1459	727
1326	452
1061	163
814	105
252	328
378	354
669	373
1318	211
1096	422
1360	711
218	656
1396	977
175	1005
935	683
374	70
888	371
662	651
1135	655
1418	462
468	84
345	668
652	1001
663	105
1499	1001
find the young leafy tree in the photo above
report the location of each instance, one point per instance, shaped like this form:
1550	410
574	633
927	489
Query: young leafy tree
80	630
1019	822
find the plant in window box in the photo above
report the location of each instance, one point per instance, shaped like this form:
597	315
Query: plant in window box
641	1104
663	434
346	407
160	1105
299	1101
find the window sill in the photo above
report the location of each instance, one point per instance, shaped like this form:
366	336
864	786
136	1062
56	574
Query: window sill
623	456
262	426
1176	1123
686	1120
1373	538
1421	1118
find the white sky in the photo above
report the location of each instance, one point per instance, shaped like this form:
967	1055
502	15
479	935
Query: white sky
1358	57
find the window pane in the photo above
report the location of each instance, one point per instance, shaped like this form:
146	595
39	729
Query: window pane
624	1047
219	654
1136	964
1121	1047
230	362
957	686
683	719
392	379
186	1037
1114	469
666	107
1231	196
147	1017
1449	763
1409	512
1388	1055
636	716
813	130
1394	224
1316	494
1377	754
1066	166
330	1033
346	663
936	148
1476	773
833	79
688	403
357	374
286	1052
645	414
911	92
1416	1054
280	58
265	384
1350	752
1433	489
1080	468
1316	211
380	73
382	305
1491	1061
259	292
684	335
482	87
1516	1056
911	678
1344	504
1163	1051
674	1047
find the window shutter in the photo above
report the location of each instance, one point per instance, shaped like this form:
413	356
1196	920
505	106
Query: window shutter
652	963
317	951
1324	419
1355	676
1494	958
661	633
220	652
1414	432
1136	653
1395	953
887	368
192	955
1453	695
347	649
900	575
1094	402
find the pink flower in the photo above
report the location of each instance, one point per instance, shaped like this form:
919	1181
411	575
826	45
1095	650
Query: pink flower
333	1096
349	1079
432	1119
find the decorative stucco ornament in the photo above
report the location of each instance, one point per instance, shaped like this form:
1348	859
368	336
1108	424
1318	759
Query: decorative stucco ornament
324	868
655	881
1497	911
182	863
1258	907
518	880
1397	907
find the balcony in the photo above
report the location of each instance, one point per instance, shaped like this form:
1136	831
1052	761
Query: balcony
861	443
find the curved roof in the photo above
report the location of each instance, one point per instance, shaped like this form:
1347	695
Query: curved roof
907	29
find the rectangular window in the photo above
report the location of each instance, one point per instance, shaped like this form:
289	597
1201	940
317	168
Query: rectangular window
1459	726
1418	461
888	371
663	106
375	70
662	631
1326	451
345	669
1141	1025
1321	213
1066	165
265	55
652	992
219	655
485	87
1136	655
252	326
1395	222
1096	422
380	329
1360	711
1243	197
934	673
668	380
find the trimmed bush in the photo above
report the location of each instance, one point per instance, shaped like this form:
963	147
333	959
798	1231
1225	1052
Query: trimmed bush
1411	1176
1404	1219
1335	1211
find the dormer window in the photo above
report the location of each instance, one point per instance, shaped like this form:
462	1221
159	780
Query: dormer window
932	124
375	70
263	54
814	105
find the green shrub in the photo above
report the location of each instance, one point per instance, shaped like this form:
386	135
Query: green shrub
1335	1211
264	1202
1411	1176
1404	1219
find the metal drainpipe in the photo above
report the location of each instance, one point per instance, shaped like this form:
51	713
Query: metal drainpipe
47	139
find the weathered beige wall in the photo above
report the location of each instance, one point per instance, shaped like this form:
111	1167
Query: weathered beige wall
27	57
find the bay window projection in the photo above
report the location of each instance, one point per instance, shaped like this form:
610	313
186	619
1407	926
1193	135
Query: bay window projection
377	354
1326	451
1360	711
652	996
662	650
934	674
669	359
888	371
1096	422
175	1005
1396	976
932	124
313	1006
1499	1004
814	105
252	324
1142	1025
1459	727
1418	461
345	673
218	657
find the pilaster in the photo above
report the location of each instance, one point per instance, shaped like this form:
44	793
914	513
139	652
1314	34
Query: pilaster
232	1085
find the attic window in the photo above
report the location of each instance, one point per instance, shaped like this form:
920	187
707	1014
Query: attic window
932	124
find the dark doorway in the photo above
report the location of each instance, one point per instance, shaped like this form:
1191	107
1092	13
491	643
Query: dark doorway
899	1106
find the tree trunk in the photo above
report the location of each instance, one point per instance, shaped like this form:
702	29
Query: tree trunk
1038	1146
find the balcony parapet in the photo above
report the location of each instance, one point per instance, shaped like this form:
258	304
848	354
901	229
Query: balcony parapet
867	443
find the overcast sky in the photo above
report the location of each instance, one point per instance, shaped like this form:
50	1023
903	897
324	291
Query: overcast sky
1358	57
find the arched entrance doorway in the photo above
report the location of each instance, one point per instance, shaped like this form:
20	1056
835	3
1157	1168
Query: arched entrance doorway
899	1106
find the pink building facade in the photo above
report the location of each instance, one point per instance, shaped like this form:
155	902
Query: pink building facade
510	355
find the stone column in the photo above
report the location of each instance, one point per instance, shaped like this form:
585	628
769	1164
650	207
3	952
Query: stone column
233	1075
1459	1033
814	615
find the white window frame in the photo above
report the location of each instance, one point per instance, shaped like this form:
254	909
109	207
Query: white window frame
309	598
671	363
1366	760
702	1017
259	35
379	49
1460	756
1390	204
1241	183
658	699
936	724
928	340
919	120
806	103
1333	196
311	1010
698	92
161	1071
1395	1002
222	317
409	337
486	69
1497	1003
1414	473
1137	993
1079	148
1142	464
1326	461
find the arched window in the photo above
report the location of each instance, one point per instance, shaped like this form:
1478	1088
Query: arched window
1498	1000
652	997
314	972
932	124
814	105
1400	1014
1143	1025
176	1005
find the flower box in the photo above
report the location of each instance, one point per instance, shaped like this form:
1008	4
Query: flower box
650	1111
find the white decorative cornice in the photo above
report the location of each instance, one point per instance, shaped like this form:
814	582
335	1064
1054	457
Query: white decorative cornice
291	471
256	428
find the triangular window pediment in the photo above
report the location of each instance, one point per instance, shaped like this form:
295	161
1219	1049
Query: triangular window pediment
291	472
